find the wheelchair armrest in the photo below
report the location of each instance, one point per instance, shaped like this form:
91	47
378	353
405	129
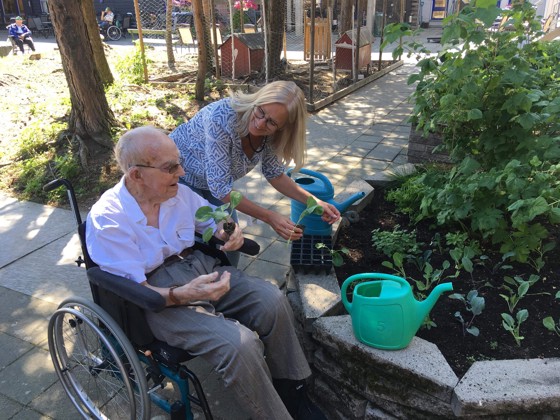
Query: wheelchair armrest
140	295
249	246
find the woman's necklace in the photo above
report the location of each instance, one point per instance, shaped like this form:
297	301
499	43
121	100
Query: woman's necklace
258	149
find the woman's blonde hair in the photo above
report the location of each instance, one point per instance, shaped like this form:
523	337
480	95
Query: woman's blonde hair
289	143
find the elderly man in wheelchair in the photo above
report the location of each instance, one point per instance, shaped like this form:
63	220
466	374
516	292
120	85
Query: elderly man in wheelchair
143	229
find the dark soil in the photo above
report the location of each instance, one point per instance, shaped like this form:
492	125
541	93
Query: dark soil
463	349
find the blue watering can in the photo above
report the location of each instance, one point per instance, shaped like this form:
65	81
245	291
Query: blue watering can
320	186
384	312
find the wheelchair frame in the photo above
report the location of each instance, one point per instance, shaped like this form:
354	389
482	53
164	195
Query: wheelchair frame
106	357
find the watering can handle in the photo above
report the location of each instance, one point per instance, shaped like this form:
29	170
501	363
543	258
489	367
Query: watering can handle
370	276
317	175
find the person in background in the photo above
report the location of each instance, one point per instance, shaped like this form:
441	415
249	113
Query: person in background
21	34
144	229
226	139
107	17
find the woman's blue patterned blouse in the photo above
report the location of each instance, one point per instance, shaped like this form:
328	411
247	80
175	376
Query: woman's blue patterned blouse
213	153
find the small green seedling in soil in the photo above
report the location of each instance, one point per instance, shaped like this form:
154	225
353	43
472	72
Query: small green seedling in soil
337	259
518	291
311	208
475	305
513	325
550	325
219	214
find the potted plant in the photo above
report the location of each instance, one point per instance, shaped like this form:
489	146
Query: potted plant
220	215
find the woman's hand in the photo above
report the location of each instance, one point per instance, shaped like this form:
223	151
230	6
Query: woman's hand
330	212
284	227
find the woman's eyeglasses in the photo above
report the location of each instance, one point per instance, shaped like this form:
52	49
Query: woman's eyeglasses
169	168
259	114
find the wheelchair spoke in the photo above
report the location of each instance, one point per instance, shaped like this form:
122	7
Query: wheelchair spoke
102	376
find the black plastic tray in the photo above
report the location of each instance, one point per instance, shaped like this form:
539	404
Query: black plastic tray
308	259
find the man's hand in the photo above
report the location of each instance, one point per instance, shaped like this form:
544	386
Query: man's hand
205	287
232	242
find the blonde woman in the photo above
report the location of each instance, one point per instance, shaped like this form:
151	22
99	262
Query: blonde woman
226	139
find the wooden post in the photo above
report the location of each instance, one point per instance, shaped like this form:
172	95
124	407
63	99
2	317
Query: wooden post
312	45
141	40
215	39
382	29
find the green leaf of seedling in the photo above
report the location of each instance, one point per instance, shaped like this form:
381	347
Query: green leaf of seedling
345	251
522	289
235	198
457	296
508	322
522	316
203	214
207	234
388	264
321	245
337	260
549	324
220	215
473	331
477	305
557	295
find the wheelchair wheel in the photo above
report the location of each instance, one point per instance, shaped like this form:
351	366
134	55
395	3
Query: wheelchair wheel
113	33
95	362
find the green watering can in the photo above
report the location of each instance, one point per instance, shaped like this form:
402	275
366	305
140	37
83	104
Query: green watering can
384	312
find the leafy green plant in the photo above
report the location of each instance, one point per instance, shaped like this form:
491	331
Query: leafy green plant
430	275
463	251
220	215
336	254
397	241
475	305
131	68
517	288
494	98
550	325
513	325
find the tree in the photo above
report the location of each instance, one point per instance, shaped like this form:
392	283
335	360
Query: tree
275	15
201	35
91	118
168	35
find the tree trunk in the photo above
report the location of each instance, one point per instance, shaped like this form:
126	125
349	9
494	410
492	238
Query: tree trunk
169	35
202	47
90	118
345	17
208	21
275	12
88	13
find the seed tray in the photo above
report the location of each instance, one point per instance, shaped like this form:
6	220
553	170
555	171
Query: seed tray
308	259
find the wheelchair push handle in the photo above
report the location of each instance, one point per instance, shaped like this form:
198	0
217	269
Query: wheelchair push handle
57	183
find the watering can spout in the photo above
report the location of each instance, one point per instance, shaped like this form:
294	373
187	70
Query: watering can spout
342	207
424	307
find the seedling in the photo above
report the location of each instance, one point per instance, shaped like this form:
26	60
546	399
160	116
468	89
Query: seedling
219	214
337	259
311	208
550	325
475	305
512	325
518	291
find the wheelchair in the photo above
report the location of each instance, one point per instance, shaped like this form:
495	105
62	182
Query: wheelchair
112	32
107	359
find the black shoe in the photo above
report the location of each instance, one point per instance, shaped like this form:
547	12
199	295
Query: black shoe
295	398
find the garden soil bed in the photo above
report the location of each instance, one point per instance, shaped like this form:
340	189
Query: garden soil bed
462	350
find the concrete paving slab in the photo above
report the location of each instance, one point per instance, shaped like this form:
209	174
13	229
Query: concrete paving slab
28	377
50	273
9	407
11	348
54	403
386	152
25	317
33	224
269	271
29	414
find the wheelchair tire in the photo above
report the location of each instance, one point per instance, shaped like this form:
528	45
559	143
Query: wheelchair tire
113	33
98	367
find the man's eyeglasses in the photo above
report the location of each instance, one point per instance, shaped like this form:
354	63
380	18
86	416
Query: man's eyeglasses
260	115
169	168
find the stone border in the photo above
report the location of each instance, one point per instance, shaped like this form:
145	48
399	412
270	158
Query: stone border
354	381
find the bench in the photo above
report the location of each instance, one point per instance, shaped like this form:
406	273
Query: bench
158	32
